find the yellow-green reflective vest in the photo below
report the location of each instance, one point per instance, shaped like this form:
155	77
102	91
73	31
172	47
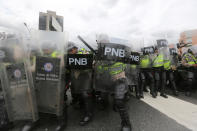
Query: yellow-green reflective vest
55	54
83	51
167	65
158	61
114	69
79	52
145	62
190	59
195	58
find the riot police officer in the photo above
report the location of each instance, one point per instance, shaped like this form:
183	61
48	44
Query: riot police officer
81	86
110	78
159	73
189	61
49	50
17	82
146	74
50	75
170	68
132	73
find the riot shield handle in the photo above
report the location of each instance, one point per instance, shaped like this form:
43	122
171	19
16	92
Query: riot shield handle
80	38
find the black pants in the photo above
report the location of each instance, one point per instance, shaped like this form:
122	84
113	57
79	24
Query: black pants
81	90
119	95
146	76
170	77
160	78
189	79
85	100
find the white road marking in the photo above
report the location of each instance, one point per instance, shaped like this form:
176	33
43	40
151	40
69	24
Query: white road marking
183	112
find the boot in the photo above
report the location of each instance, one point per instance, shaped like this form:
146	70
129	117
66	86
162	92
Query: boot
153	91
141	95
153	94
125	124
175	93
145	89
28	126
85	119
137	94
163	95
156	93
188	93
88	111
125	127
61	126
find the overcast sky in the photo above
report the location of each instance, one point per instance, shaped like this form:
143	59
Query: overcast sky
133	20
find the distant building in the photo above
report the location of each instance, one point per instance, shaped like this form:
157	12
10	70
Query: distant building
50	21
188	37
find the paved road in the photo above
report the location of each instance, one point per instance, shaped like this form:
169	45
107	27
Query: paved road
149	114
145	116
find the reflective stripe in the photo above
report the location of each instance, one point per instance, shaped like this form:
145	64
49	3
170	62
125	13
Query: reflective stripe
190	59
79	52
159	61
117	68
195	59
113	69
54	54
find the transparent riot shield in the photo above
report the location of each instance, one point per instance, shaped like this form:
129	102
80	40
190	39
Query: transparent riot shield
132	69
80	66
3	112
147	53
111	59
163	51
173	51
16	80
49	71
166	53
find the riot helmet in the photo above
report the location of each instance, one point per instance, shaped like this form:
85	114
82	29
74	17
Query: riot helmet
190	51
48	47
72	48
102	38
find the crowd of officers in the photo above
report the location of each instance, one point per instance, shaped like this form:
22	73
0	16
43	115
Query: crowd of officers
154	72
119	80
